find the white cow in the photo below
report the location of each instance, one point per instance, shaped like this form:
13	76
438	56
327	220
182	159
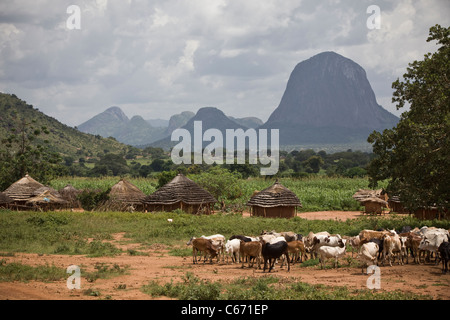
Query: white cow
326	252
368	253
232	248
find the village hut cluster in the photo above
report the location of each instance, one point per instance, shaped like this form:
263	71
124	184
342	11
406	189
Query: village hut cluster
182	193
378	202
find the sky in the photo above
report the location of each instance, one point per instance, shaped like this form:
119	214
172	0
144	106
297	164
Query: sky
74	59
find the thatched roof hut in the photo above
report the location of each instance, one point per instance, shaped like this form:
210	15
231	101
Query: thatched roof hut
374	205
180	193
125	191
47	200
362	194
274	201
4	200
70	194
23	189
125	196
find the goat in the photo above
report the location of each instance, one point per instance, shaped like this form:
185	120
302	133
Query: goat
297	249
444	251
232	248
380	246
240	237
326	252
330	241
366	235
204	245
412	243
368	253
273	251
218	240
251	250
354	243
308	240
392	247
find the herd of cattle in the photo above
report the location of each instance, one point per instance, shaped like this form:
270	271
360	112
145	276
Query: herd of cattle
372	247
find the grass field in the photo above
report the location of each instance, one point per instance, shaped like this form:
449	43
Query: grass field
319	193
75	233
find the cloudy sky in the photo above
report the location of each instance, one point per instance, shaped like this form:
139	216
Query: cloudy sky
157	58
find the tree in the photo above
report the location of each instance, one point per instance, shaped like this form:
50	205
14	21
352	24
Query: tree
111	165
22	152
415	155
223	184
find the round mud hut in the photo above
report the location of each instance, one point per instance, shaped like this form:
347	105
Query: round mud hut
126	196
47	200
4	200
276	201
181	193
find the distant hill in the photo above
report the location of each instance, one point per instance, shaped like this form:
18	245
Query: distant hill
139	132
210	117
114	123
328	100
250	122
63	139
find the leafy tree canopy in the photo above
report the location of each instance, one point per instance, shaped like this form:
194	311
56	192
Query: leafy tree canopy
415	155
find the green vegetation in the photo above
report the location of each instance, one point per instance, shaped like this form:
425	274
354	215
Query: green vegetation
83	233
316	193
265	288
415	155
20	272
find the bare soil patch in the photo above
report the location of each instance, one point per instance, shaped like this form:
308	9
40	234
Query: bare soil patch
158	265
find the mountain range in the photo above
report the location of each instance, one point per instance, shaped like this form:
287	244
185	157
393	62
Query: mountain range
328	100
139	132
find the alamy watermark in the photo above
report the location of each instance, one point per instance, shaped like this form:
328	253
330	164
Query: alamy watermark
74	20
251	141
74	281
374	281
374	20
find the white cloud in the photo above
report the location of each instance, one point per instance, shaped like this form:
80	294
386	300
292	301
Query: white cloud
162	57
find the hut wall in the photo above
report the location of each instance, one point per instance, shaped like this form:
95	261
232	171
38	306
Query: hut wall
274	212
373	207
397	207
430	214
189	208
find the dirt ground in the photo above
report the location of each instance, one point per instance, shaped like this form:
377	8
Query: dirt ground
160	266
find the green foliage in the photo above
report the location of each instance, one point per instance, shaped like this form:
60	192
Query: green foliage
21	153
165	177
264	288
110	165
415	155
220	182
21	272
90	199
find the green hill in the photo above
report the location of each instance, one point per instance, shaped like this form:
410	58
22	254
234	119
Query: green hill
65	140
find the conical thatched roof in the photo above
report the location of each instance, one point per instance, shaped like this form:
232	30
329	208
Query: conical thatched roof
47	197
127	192
275	196
23	189
181	189
4	198
362	194
374	200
